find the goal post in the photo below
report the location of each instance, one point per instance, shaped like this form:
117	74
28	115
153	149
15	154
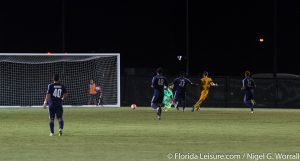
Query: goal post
25	77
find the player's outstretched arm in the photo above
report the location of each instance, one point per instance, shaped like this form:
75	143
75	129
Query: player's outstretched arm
195	84
243	87
214	84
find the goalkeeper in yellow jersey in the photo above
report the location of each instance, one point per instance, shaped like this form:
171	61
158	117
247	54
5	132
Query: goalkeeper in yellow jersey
205	83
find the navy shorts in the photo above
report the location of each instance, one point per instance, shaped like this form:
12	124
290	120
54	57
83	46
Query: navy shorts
93	96
249	95
55	110
179	96
158	97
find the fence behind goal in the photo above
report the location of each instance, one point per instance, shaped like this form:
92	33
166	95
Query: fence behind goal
25	77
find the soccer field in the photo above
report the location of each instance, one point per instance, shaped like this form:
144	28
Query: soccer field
122	134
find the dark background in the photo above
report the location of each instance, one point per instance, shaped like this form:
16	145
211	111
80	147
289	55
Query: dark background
223	35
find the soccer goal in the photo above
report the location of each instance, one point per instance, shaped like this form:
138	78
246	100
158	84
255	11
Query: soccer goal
25	77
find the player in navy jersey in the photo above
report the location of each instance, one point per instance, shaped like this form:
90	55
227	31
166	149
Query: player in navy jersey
248	87
180	84
158	84
56	93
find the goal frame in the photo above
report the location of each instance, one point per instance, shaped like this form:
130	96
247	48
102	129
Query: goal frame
75	54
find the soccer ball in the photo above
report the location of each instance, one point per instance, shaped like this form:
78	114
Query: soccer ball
97	88
133	106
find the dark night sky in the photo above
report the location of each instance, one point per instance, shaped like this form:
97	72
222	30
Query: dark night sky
223	35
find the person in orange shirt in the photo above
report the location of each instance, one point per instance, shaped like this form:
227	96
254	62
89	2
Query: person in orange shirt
93	93
205	83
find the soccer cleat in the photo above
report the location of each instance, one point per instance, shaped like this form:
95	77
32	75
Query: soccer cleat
51	134
158	117
252	111
60	132
176	105
193	109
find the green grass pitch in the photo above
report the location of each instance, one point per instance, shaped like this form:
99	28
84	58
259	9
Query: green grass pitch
122	134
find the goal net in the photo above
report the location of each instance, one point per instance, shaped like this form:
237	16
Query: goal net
24	78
